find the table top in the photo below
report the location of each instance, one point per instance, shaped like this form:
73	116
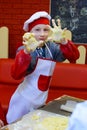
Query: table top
54	106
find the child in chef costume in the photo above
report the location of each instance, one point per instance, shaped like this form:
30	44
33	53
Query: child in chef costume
35	61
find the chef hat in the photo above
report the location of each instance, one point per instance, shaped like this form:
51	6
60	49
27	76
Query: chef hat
40	17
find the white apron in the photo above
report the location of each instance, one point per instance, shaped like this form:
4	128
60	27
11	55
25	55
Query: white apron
33	91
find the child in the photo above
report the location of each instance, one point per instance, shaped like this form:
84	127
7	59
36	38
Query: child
36	61
2	117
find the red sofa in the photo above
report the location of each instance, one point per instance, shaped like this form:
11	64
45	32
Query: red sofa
7	83
68	79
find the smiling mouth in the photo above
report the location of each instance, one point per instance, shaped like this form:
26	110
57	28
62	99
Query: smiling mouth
42	39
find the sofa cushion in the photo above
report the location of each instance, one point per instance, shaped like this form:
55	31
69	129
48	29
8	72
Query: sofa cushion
67	75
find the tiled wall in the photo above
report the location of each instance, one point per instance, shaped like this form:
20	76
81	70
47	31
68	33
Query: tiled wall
13	13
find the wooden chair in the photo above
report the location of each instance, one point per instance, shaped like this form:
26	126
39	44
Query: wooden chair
82	57
3	42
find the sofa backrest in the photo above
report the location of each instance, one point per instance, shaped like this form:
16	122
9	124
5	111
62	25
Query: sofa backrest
68	79
70	76
5	68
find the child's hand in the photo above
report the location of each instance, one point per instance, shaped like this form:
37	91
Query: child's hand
56	33
30	42
1	123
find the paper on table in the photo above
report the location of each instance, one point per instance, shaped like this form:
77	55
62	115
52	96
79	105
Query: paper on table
69	106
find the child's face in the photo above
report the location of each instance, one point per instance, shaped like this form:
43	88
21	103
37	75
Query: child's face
41	32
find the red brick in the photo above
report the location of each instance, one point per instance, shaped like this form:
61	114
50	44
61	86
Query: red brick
13	13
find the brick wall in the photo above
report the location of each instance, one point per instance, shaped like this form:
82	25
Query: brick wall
13	13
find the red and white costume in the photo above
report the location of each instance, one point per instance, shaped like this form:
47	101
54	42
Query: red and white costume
33	91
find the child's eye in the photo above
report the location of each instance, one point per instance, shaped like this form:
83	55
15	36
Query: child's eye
37	29
46	30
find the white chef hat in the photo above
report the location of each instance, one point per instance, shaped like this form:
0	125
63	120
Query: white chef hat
40	17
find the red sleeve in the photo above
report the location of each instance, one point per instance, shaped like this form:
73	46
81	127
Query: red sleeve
70	51
22	61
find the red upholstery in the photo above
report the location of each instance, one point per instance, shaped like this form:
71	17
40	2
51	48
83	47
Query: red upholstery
7	83
69	79
70	76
